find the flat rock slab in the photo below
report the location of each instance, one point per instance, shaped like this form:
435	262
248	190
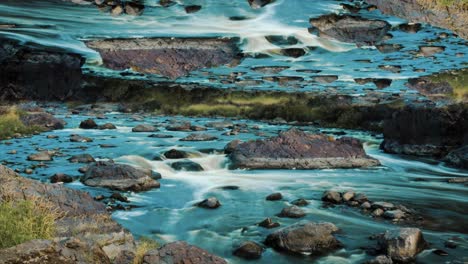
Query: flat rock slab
181	252
170	57
296	149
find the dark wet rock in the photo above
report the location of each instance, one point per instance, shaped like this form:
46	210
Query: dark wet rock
382	83
60	177
160	136
120	177
351	8
197	128
42	120
88	124
430	50
175	154
332	197
210	203
230	188
179	126
305	238
391	68
107	146
269	69
68	250
429	86
186	165
440	252
383	205
282	40
394	214
410	27
450	244
300	202
144	128
268	223
56	74
293	52
402	245
292	212
259	3
107	126
81	158
41	156
199	137
166	3
231	146
325	78
389	48
171	57
180	252
274	197
382	259
78	138
119	197
300	150
353	29
363	81
426	131
192	9
249	250
134	9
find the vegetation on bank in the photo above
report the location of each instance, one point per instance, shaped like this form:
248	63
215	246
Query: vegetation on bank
144	245
25	220
457	79
10	124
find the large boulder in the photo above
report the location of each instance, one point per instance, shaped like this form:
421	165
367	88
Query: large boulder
297	149
88	124
305	238
120	177
43	120
249	250
180	253
354	29
170	57
402	245
33	73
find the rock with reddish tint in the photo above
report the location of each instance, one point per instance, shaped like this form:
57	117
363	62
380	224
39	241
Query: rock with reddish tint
354	29
297	149
170	57
180	253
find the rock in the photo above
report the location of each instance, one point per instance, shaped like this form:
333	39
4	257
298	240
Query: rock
179	126
180	252
378	212
383	205
347	28
199	137
175	154
427	85
382	259
293	52
268	223
394	214
144	128
300	202
430	50
366	205
43	120
305	238
41	156
107	126
458	158
210	203
410	27
382	83
88	124
274	197
391	68
166	3
249	250
134	9
186	165
389	48
119	197
170	57
192	9
28	171
68	250
292	212
78	138
458	180
60	177
325	78
297	149
160	136
56	74
231	146
402	245
332	197
259	3
81	158
347	196
440	252
120	177
124	257
117	10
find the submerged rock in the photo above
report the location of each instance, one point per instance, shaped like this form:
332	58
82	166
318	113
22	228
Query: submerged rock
305	238
347	28
249	250
180	252
186	165
120	177
78	138
210	203
292	212
300	150
41	156
199	137
108	126
402	245
170	57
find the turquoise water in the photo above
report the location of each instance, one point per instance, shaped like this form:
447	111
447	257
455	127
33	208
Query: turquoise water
168	214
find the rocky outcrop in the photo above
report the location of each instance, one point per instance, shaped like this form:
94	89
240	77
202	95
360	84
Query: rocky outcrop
450	16
37	74
170	57
305	238
120	177
300	150
354	29
402	245
179	253
43	120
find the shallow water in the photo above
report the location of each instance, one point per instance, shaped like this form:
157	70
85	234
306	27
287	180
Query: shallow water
168	214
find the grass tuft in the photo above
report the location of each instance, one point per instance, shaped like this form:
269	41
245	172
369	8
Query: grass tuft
145	244
10	124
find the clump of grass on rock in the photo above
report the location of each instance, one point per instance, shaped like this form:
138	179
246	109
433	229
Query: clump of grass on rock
144	245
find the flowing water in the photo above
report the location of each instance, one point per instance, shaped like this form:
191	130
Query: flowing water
168	214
